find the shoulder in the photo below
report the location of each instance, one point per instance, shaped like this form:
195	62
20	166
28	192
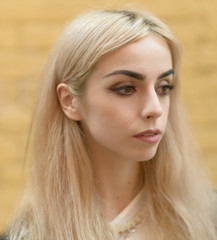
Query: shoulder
4	237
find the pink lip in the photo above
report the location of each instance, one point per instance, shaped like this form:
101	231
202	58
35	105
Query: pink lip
149	136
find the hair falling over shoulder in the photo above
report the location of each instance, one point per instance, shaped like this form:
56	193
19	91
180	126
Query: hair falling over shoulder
60	201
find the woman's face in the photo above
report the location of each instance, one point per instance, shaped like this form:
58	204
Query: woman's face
125	108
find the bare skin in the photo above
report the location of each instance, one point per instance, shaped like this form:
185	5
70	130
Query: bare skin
126	94
117	183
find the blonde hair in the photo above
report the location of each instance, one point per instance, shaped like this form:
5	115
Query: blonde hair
61	200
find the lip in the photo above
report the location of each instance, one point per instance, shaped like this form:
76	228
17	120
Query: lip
149	136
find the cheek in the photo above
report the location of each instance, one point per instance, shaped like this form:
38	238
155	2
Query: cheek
95	115
105	109
166	110
105	117
168	107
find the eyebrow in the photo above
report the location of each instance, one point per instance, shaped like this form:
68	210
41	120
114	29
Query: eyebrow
137	75
132	74
165	74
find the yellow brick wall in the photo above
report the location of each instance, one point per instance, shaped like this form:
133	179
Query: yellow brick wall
28	29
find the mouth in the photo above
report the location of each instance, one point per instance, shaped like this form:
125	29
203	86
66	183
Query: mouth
149	136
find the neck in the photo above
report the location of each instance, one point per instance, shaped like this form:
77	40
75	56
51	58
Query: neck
117	182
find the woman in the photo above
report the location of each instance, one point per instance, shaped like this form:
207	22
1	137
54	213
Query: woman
112	158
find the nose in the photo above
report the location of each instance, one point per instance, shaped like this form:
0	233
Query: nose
152	107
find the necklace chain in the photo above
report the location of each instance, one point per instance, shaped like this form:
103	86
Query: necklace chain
130	226
125	234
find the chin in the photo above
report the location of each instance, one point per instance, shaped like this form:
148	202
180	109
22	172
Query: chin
146	156
144	159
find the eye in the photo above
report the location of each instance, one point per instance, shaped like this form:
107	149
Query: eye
165	89
125	90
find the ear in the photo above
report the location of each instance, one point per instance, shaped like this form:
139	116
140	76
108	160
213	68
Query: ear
68	102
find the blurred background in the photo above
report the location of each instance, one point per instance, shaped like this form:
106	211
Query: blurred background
28	29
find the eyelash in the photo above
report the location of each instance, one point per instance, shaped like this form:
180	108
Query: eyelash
164	90
129	87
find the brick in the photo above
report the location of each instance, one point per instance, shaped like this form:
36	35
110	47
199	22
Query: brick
20	63
8	36
9	201
40	35
11	115
38	10
28	28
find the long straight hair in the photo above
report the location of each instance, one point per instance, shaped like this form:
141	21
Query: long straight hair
61	202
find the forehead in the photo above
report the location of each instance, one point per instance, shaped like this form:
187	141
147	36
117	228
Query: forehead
146	53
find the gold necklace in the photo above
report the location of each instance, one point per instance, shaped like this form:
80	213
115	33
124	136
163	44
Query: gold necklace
130	226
